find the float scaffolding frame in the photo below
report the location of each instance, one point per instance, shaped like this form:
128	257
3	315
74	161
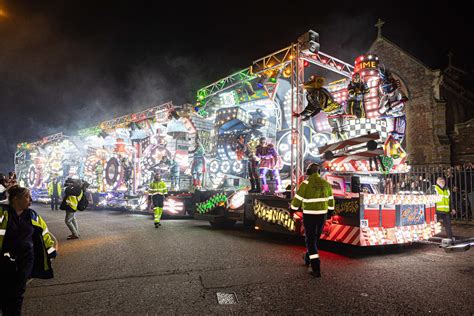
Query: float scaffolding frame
280	60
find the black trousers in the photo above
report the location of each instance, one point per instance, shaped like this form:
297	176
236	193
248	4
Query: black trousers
55	202
313	227
158	200
446	218
13	284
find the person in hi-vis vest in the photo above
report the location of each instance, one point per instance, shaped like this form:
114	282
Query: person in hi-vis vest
443	208
157	190
314	197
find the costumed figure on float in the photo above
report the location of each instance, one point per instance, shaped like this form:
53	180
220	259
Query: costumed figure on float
356	89
198	167
174	174
269	160
320	99
392	103
244	153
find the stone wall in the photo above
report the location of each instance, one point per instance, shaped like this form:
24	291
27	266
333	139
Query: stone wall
426	140
463	142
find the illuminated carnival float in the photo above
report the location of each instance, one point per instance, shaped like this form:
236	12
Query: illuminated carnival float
354	126
117	158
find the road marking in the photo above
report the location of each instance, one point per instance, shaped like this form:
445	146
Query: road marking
434	254
227	298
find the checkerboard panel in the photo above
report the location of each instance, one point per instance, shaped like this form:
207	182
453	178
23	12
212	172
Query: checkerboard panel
364	126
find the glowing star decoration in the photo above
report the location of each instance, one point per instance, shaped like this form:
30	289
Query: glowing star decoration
225	167
237	167
214	166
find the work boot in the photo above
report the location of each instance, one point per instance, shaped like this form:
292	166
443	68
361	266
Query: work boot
315	272
315	268
157	225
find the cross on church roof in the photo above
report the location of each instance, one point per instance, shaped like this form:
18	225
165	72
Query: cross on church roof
379	26
450	59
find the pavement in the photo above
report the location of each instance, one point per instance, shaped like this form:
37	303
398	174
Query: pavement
123	265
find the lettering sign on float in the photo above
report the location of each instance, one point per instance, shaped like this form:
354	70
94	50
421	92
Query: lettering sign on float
274	215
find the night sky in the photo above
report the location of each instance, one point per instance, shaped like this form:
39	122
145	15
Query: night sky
67	65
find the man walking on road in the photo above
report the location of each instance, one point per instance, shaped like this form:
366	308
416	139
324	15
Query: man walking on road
157	191
315	198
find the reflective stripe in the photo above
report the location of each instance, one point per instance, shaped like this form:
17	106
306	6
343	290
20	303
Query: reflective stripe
299	197
331	197
315	200
45	231
305	181
51	250
7	254
331	208
2	232
315	212
316	256
442	206
1	218
294	207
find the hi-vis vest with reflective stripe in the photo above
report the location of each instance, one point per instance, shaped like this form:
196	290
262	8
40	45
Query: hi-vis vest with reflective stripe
314	196
443	205
41	236
158	188
51	188
73	200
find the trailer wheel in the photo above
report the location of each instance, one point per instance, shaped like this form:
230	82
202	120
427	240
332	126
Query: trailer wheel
223	224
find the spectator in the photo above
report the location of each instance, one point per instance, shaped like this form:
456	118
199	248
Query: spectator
25	249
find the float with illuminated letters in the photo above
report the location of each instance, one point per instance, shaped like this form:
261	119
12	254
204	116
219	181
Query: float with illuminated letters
353	126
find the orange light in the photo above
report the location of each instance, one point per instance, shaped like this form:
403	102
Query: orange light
257	228
3	14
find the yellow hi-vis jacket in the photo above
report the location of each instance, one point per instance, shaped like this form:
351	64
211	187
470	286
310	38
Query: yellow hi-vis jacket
158	188
51	188
314	196
72	201
43	243
443	205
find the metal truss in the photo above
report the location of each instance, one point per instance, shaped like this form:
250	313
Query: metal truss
279	59
160	112
48	139
324	60
276	60
223	84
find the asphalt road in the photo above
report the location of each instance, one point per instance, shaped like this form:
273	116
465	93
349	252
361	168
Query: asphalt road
123	265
